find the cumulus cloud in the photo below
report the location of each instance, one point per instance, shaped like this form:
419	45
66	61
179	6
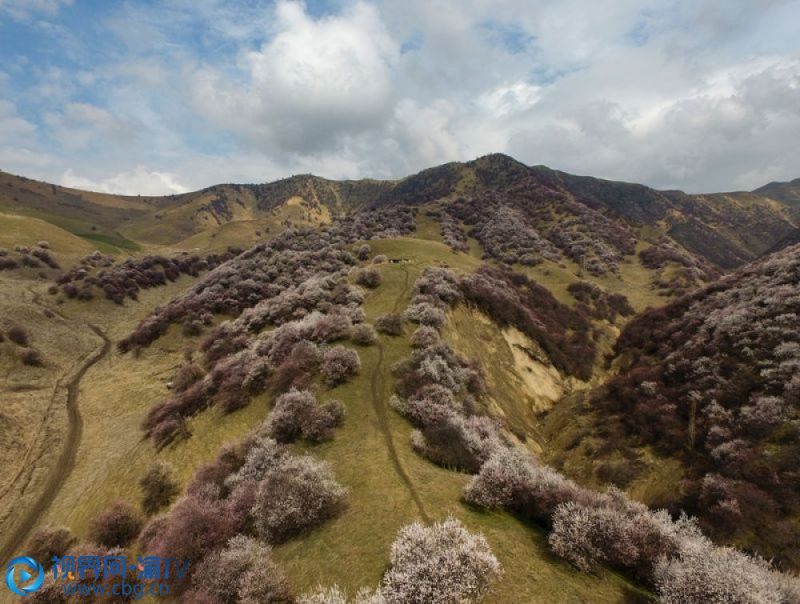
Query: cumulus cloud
731	131
138	181
313	82
689	94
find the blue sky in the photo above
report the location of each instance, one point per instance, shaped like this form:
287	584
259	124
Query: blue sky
158	97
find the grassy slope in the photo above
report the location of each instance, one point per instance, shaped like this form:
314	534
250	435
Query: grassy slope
352	550
27	231
32	417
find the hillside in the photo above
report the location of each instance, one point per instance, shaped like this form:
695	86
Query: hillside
786	192
724	229
357	383
711	381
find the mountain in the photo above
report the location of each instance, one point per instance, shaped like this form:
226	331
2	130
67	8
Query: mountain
724	229
405	386
785	192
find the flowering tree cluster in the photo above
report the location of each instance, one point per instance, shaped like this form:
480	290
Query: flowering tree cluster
504	232
714	378
442	563
128	278
589	528
528	221
599	304
33	257
278	269
369	277
254	494
242	364
452	233
438	390
242	572
434	292
297	414
677	270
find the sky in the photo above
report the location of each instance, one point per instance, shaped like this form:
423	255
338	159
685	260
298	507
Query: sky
157	97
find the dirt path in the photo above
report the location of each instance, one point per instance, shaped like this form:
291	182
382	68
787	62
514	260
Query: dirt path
402	295
66	461
382	413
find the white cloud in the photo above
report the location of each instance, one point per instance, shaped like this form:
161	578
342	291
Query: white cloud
13	128
81	124
314	81
686	93
138	181
24	10
727	133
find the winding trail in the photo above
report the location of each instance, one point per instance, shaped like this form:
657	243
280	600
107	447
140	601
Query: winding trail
382	413
66	461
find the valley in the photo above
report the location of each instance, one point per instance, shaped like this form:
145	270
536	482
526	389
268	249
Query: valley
508	317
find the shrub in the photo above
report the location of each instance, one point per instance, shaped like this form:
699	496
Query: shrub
18	335
45	257
152	531
426	314
31	357
362	253
331	327
424	337
242	572
335	595
295	497
617	531
264	455
391	324
196	525
339	364
297	368
441	563
47	543
364	334
117	526
52	592
456	442
159	487
720	574
186	376
297	414
514	481
369	277
379	259
8	264
598	303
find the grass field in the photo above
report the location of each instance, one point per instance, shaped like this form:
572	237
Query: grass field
371	453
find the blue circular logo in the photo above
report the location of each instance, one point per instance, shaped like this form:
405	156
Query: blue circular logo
29	572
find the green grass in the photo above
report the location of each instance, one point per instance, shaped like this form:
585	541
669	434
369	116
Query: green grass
114	241
352	550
